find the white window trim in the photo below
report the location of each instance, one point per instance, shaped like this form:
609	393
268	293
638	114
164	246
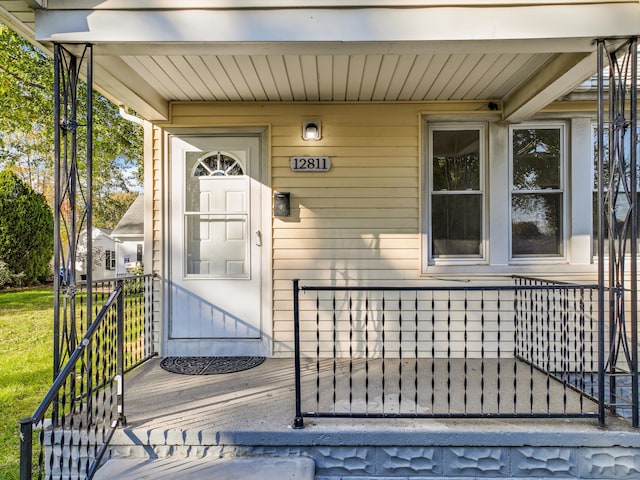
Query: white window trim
428	260
564	160
110	259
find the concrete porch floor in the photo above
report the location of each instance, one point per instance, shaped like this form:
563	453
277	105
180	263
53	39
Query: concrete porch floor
250	413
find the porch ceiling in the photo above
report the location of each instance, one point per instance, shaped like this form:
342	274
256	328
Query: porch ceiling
378	73
523	57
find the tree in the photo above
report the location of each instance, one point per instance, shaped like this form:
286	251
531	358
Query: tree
26	229
27	127
110	210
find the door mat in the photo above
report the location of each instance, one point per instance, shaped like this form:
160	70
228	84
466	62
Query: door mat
209	365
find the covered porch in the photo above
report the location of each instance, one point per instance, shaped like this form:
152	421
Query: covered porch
511	394
402	401
201	419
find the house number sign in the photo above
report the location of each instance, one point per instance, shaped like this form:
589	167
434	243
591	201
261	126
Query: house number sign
310	164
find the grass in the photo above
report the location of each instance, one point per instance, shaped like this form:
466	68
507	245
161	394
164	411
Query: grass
26	336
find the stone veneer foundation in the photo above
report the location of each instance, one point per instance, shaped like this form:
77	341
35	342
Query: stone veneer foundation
540	452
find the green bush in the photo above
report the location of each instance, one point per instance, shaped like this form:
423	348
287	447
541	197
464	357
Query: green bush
8	278
26	230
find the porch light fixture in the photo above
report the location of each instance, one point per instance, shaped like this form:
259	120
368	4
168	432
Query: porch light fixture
311	130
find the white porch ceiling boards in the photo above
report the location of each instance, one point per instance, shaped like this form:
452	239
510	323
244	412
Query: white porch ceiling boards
340	77
149	53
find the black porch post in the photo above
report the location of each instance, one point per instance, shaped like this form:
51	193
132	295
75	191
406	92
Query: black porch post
72	198
57	247
633	110
601	236
618	224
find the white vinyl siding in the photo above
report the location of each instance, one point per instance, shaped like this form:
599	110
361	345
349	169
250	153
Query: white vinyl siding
154	233
363	222
357	223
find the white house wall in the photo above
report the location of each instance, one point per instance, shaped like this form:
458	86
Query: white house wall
155	224
101	243
127	248
361	222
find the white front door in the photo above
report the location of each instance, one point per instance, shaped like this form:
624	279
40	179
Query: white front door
215	247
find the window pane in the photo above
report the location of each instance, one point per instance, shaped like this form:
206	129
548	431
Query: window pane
536	158
536	221
456	160
217	245
457	225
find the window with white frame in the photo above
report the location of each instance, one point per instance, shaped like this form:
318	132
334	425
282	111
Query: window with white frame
110	260
538	163
456	202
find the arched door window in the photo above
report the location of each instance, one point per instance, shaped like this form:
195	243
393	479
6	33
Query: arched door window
218	164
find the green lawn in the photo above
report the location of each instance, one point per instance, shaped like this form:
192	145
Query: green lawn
26	336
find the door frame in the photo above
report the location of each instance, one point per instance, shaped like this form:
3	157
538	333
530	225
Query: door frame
265	343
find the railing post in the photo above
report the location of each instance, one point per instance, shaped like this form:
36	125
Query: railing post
601	236
26	448
148	316
633	112
298	422
120	347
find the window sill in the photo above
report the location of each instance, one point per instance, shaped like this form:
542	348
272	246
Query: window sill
530	269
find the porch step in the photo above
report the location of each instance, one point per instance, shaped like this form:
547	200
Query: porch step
240	468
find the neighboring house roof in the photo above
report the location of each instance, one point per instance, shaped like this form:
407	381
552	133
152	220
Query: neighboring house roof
98	232
98	236
132	222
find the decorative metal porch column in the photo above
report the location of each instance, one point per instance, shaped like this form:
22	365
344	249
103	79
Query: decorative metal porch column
73	150
618	224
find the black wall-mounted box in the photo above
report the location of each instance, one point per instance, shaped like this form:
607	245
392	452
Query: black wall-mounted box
281	204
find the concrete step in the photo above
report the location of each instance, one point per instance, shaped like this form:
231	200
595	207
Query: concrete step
233	468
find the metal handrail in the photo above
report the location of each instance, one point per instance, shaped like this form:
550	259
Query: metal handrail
111	377
27	424
68	368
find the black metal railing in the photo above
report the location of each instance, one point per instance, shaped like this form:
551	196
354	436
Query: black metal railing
74	423
568	350
519	350
557	325
138	314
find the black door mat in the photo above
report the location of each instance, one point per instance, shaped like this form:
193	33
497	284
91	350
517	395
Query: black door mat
209	365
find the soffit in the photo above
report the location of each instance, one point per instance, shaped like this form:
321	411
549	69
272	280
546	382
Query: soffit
336	77
343	72
19	15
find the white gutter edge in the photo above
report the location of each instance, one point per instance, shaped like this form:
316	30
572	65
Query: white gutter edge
127	116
